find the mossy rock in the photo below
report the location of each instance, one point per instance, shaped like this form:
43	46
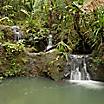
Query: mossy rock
7	31
49	64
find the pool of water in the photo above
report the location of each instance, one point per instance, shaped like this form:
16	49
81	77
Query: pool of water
43	91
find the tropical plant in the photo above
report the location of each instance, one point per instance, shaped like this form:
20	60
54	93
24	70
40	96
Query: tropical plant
98	28
13	48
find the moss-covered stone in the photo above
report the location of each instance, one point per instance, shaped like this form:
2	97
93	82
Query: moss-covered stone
48	64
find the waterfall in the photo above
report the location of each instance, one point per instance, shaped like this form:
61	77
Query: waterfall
75	75
17	33
49	42
77	67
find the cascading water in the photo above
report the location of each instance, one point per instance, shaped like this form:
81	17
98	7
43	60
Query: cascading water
79	67
17	33
49	42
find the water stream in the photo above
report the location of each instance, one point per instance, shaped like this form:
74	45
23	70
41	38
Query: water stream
49	42
79	67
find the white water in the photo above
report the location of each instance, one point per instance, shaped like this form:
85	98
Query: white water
87	84
79	67
49	42
75	75
17	33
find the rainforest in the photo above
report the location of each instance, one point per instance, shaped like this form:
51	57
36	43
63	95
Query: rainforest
51	51
38	36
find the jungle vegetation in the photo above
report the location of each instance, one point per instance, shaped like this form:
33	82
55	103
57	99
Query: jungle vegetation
74	30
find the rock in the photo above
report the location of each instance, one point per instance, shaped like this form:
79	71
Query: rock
92	5
8	34
98	73
96	70
49	64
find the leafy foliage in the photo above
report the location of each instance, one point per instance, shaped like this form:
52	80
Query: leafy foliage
72	29
13	48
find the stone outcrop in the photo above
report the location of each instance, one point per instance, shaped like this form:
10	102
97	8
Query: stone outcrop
49	64
91	5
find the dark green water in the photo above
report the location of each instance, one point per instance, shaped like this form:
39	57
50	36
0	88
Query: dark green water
43	91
